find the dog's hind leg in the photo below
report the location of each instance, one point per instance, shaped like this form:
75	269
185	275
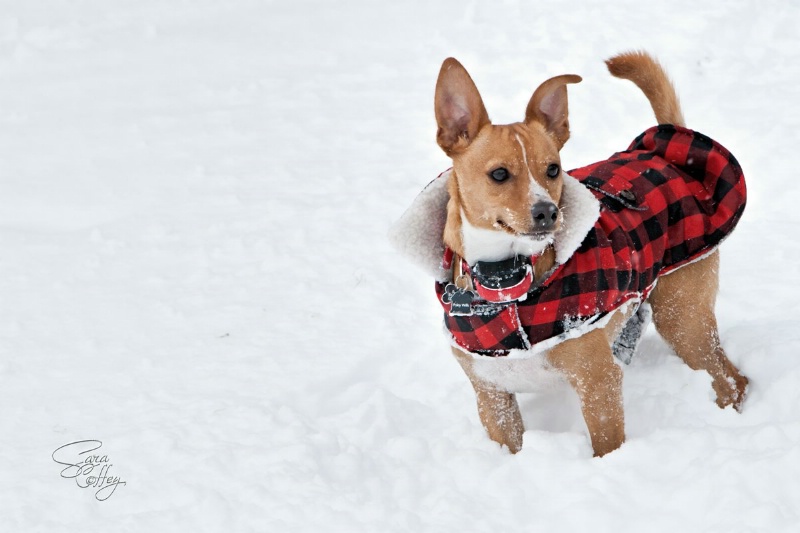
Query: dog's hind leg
498	410
683	313
588	364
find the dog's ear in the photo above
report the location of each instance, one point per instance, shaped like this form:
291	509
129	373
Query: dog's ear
460	113
548	106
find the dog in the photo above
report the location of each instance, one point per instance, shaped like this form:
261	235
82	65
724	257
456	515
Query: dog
539	269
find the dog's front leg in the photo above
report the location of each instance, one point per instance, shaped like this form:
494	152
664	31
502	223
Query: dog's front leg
498	410
589	365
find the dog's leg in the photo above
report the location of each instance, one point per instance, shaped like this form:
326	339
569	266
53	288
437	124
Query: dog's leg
589	365
498	410
683	313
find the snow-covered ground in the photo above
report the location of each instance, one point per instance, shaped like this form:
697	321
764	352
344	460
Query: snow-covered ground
194	198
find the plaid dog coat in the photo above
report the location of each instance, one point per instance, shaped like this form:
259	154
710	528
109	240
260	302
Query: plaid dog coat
668	200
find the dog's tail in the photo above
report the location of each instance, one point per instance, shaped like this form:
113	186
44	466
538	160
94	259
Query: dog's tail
650	77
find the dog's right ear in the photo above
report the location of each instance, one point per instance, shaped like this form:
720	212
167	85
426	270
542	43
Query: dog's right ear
460	113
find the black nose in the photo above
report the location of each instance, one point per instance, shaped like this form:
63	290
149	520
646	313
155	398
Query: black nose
544	215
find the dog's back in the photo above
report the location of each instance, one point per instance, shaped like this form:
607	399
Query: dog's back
650	77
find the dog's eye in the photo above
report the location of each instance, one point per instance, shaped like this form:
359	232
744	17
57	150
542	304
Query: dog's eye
553	170
499	174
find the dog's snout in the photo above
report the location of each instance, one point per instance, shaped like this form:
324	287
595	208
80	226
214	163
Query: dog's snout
544	215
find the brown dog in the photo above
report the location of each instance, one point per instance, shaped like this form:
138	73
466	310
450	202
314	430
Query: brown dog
506	194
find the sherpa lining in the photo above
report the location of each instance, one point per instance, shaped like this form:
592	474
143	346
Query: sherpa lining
419	232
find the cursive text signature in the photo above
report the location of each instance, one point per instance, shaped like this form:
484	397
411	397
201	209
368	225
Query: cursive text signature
86	468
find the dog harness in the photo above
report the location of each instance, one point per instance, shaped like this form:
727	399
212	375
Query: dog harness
669	199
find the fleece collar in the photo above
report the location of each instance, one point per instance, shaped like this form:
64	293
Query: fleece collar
418	233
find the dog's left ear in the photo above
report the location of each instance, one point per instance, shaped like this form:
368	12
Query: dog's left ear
548	106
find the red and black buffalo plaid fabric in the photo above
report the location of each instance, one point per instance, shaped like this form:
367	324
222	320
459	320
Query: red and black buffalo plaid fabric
670	198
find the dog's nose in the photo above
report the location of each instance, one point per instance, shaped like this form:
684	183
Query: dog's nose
544	216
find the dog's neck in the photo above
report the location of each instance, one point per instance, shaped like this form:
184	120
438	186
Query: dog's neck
543	263
491	245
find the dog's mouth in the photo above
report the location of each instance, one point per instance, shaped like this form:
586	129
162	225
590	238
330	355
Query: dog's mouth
534	235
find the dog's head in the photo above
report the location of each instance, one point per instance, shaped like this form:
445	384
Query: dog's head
507	181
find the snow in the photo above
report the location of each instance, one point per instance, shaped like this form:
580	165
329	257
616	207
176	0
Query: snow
195	269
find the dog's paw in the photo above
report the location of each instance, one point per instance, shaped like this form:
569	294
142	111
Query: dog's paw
732	392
